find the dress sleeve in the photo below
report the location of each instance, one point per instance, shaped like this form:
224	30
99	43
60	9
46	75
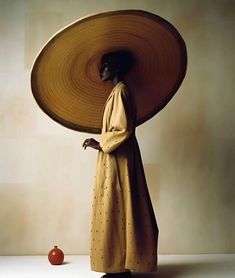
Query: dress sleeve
121	123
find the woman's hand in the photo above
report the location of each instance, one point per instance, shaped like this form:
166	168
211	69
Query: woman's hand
92	143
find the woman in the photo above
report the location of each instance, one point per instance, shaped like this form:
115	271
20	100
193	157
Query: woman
64	84
124	230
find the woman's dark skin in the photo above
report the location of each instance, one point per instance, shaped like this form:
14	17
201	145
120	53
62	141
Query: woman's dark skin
108	72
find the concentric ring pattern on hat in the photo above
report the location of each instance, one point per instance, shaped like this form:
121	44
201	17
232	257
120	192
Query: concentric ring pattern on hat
65	77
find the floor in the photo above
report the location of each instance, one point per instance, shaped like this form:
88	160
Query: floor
170	266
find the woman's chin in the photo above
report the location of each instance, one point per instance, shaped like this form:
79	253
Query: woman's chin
104	79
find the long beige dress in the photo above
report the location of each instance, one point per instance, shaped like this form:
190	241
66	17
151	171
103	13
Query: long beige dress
124	230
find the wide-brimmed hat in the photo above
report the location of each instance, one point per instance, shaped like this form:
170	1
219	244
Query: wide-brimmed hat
65	77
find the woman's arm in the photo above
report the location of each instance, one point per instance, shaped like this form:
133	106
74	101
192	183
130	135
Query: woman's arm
121	123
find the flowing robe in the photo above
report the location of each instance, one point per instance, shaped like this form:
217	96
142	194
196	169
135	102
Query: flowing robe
124	230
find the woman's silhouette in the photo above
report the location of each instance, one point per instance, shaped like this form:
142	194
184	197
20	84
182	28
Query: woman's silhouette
124	230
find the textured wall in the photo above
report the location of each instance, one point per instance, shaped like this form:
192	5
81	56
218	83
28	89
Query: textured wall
188	149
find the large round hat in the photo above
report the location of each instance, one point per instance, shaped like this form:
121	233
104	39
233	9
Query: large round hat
65	76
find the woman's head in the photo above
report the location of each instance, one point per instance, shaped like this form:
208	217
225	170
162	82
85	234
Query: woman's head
116	64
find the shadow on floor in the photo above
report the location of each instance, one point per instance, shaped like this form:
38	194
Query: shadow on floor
179	270
66	262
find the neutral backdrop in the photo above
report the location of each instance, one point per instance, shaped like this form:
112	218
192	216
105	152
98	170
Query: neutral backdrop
188	149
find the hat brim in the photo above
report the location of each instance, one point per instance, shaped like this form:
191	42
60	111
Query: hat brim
65	78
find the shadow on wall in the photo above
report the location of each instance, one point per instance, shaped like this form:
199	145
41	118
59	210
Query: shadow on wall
183	270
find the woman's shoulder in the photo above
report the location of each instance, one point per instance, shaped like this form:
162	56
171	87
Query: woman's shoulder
121	89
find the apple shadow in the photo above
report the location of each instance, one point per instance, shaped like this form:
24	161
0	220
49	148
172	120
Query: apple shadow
65	263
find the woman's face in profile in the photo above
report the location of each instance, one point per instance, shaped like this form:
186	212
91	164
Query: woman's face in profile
106	71
115	64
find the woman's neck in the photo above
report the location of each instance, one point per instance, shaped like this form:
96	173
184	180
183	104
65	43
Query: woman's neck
116	80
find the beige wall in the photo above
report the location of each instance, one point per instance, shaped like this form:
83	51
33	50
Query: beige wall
188	149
